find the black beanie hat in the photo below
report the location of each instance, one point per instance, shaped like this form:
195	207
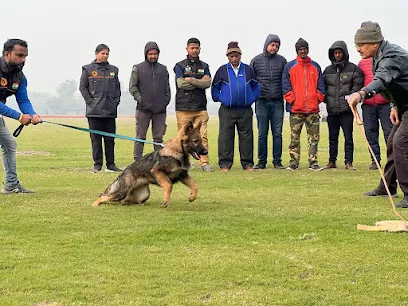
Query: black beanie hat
301	43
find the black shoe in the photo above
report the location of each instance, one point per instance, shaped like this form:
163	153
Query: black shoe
292	167
377	192
402	204
97	168
113	169
315	167
259	166
373	166
278	166
16	189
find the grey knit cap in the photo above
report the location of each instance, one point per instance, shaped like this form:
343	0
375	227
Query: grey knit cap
370	32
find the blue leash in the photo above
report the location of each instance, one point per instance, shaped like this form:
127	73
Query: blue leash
20	128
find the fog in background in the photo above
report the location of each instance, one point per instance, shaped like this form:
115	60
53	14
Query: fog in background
62	36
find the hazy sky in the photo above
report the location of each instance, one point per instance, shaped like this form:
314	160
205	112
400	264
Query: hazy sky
62	35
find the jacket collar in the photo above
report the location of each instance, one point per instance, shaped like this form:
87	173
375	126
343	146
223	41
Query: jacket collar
306	60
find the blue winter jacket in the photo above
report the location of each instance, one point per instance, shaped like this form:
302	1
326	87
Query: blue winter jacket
235	91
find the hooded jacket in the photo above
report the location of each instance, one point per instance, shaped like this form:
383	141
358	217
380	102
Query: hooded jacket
268	69
100	87
149	84
390	75
341	80
303	85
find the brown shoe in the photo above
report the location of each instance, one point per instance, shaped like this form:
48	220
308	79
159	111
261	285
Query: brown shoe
330	165
349	166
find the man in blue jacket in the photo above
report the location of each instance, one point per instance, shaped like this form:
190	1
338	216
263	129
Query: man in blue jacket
13	82
235	86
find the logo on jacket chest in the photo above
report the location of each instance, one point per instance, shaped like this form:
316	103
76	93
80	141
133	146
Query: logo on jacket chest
94	73
15	86
112	74
3	82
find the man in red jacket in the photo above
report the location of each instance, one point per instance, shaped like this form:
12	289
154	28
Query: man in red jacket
303	88
375	110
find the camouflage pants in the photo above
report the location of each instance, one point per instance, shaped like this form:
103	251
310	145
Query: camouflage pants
312	122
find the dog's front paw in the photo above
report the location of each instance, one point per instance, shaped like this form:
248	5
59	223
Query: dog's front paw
165	204
96	204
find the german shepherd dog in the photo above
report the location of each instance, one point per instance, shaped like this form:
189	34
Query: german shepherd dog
163	167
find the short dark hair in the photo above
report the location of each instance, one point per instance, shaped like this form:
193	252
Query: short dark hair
100	47
10	43
193	40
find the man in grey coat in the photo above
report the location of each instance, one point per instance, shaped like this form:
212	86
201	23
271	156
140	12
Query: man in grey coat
268	67
149	86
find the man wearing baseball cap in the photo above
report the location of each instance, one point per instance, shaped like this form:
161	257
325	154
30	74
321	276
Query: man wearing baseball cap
391	80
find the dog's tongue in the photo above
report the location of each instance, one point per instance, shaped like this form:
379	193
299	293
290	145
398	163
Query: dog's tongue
195	155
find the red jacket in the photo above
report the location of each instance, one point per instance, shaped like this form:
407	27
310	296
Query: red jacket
366	65
303	85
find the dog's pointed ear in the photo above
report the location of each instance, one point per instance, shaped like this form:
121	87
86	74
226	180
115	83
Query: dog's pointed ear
197	126
188	127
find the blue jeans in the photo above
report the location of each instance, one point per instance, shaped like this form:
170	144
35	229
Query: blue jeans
372	116
9	147
269	112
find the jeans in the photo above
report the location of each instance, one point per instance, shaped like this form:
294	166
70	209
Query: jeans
269	112
372	114
9	148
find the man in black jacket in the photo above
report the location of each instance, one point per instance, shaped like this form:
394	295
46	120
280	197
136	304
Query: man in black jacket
192	78
391	80
268	67
341	79
149	85
99	85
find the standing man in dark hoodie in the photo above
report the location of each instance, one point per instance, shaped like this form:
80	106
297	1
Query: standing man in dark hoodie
341	79
391	80
149	86
269	108
100	87
192	78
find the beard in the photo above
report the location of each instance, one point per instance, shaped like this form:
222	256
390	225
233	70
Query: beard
16	67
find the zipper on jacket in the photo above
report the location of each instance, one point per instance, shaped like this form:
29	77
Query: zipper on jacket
306	87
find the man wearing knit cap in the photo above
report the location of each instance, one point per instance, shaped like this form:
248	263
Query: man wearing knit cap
269	109
149	85
303	88
391	80
235	86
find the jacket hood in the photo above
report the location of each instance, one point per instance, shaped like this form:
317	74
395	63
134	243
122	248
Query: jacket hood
270	38
339	45
150	45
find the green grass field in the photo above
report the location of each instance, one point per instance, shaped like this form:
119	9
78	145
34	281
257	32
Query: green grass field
269	237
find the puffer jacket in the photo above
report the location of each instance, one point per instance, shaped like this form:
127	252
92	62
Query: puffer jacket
268	69
341	79
390	75
303	85
366	66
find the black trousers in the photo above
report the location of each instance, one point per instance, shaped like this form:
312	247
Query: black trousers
229	119
397	158
345	122
105	125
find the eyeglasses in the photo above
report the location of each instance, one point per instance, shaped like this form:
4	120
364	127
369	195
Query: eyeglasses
359	46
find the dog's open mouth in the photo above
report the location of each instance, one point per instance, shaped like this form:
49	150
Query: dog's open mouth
195	155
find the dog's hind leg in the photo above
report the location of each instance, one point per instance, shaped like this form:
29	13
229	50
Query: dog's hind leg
164	182
188	181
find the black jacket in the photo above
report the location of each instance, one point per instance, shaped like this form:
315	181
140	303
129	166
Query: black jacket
191	100
100	87
269	69
341	79
149	84
390	75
